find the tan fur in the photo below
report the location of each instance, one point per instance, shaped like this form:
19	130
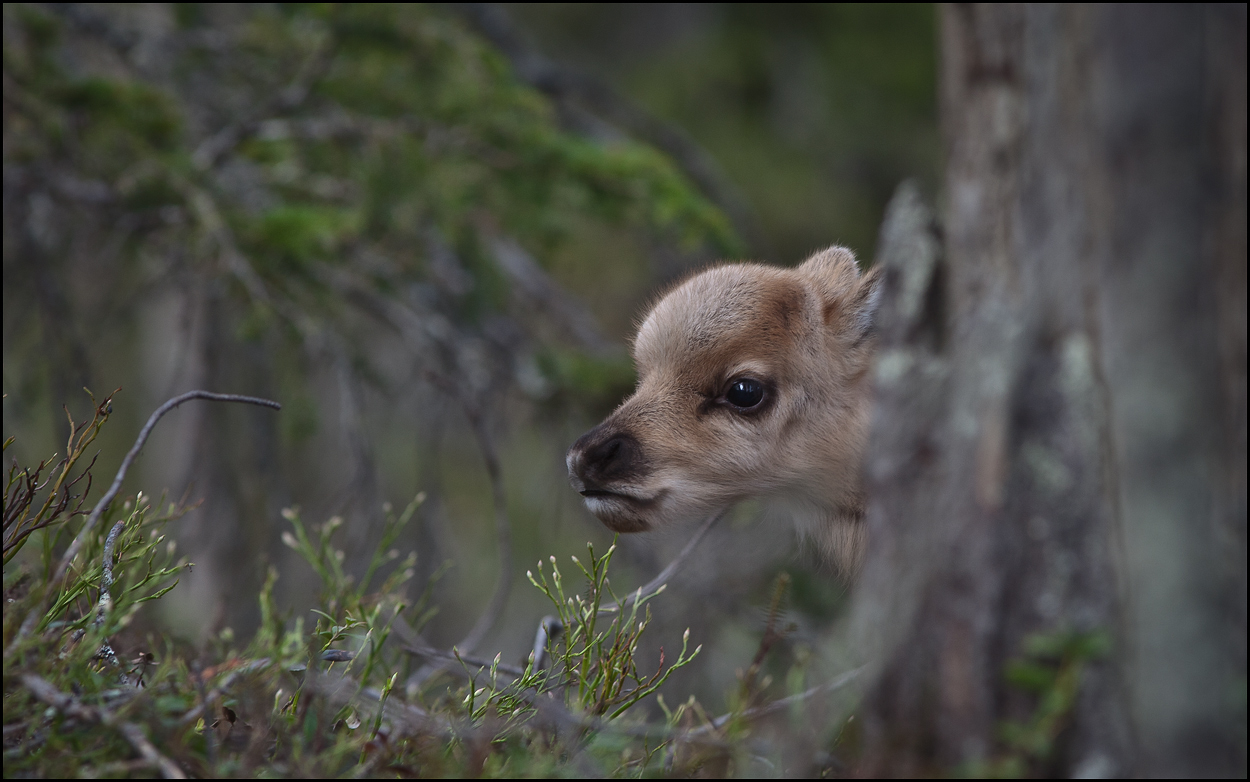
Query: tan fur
677	449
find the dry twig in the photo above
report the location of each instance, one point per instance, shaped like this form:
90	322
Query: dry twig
657	584
781	704
71	707
70	553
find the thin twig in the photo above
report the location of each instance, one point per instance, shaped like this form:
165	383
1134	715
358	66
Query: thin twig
341	690
106	588
567	88
210	739
74	547
549	629
215	147
69	705
413	646
100	507
421	650
105	603
654	586
781	704
207	699
503	534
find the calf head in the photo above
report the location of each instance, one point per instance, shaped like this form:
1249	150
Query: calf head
751	382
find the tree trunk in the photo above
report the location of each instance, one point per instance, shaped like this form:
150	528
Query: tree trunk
1056	579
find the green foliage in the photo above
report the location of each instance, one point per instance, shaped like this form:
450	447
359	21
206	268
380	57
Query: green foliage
595	381
598	661
1050	670
302	700
815	111
306	168
304	159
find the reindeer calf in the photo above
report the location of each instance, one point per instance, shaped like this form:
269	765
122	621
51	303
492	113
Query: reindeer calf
752	382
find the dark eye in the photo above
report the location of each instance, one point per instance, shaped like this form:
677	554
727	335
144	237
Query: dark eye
745	393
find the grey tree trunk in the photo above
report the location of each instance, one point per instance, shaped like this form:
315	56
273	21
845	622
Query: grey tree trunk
1056	579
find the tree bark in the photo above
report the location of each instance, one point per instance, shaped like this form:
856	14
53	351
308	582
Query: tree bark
1056	578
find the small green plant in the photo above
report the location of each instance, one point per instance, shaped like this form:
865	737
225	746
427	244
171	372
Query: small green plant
57	650
83	695
595	676
593	645
598	647
1050	669
350	611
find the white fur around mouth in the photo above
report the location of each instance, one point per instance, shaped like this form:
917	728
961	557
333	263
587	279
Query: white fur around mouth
610	499
599	504
619	512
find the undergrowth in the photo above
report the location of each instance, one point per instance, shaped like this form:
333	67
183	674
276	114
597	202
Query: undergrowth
347	693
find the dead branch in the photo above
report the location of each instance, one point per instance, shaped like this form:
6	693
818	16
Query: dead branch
503	533
573	90
341	690
105	603
452	657
781	704
574	321
76	546
549	629
657	584
207	699
216	146
70	706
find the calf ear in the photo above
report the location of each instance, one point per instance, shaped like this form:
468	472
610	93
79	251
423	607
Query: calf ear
864	304
848	299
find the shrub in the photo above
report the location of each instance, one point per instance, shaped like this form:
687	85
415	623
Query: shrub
337	696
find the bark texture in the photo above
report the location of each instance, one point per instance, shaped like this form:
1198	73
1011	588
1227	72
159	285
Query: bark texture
1058	468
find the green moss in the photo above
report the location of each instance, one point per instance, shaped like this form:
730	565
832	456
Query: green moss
290	237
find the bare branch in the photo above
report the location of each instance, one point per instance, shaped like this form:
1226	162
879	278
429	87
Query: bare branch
568	87
420	650
109	495
109	544
105	603
781	704
69	705
654	586
341	690
74	547
215	147
549	629
207	699
503	532
528	279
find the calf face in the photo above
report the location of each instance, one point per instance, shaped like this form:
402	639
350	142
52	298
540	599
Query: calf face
751	382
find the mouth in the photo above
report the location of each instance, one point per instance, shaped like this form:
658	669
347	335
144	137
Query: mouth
618	512
605	494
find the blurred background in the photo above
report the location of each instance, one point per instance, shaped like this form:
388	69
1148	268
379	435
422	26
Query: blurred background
427	231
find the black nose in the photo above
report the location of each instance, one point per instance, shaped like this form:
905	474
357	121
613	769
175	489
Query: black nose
602	456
